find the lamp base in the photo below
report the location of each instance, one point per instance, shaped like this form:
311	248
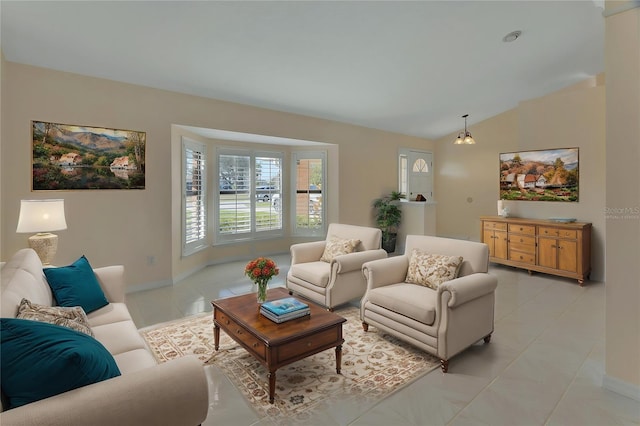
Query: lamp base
45	245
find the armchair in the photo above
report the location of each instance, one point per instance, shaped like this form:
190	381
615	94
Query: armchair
442	322
337	279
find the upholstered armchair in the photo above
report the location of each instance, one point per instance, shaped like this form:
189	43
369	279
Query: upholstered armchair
330	272
449	308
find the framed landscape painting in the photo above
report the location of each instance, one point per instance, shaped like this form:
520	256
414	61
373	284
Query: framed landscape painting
544	175
71	157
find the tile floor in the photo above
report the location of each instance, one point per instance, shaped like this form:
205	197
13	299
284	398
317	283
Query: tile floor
544	365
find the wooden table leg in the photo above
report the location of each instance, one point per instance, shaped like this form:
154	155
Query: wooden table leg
216	336
338	358
272	386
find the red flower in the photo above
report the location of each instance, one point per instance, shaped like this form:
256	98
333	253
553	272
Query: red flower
261	269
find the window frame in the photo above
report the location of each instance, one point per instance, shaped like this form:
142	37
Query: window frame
201	243
307	231
253	233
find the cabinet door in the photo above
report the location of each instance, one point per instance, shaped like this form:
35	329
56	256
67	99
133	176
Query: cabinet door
568	255
487	238
500	239
497	242
547	252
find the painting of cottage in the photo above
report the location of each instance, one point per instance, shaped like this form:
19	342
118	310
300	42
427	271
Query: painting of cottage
544	175
70	157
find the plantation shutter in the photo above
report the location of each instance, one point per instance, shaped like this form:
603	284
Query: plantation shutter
268	172
234	215
194	197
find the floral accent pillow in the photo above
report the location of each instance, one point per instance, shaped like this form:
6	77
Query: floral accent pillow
431	270
73	317
337	246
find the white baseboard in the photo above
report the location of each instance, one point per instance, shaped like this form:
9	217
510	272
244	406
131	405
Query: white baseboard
148	286
164	283
623	388
188	273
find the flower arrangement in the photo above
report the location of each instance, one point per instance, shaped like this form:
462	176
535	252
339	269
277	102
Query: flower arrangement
260	271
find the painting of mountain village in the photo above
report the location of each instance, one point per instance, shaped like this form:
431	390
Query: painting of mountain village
545	175
70	157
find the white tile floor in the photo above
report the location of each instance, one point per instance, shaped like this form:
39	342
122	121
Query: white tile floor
544	365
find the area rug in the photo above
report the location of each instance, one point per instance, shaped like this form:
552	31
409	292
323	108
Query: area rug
374	365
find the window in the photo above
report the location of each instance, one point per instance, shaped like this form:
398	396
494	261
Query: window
248	199
194	197
404	176
309	208
420	166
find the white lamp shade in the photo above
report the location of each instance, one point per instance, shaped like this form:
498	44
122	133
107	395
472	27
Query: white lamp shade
41	216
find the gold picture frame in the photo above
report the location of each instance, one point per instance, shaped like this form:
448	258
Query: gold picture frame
74	157
540	175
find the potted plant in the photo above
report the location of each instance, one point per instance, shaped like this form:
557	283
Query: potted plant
388	218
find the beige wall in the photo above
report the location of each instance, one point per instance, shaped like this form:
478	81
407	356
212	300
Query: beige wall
622	66
126	227
467	176
1	120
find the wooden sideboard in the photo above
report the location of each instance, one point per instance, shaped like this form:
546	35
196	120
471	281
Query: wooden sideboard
546	246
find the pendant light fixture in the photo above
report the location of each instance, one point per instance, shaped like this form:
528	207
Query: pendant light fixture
464	138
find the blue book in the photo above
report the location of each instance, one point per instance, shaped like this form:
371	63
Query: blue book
282	318
284	306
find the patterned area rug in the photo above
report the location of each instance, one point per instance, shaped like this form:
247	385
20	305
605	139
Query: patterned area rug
374	365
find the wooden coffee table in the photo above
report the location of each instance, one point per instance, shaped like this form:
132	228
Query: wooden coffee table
276	345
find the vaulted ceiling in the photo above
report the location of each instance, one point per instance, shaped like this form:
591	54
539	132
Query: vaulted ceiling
411	67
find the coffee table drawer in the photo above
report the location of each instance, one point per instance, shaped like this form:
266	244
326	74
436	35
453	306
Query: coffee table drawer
241	335
325	338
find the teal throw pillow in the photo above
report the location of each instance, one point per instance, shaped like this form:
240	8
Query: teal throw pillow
39	360
76	285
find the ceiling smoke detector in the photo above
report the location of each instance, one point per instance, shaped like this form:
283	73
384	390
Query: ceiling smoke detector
512	36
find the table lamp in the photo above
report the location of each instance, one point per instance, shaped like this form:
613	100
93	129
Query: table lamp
42	216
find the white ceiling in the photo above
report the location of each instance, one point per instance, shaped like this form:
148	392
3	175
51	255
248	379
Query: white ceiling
409	67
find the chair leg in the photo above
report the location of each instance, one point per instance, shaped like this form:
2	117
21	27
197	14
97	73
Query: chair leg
487	338
444	364
365	326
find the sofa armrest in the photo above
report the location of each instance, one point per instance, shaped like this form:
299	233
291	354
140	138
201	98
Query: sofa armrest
111	279
354	261
467	288
391	270
307	252
173	393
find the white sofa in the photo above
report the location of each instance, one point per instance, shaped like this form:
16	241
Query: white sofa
173	393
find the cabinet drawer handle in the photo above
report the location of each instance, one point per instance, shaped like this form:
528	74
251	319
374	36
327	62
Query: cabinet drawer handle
308	344
226	322
255	345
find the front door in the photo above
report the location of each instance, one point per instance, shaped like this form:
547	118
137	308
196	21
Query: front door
420	170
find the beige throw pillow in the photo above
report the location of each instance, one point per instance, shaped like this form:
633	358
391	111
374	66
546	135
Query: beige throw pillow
431	270
337	246
73	317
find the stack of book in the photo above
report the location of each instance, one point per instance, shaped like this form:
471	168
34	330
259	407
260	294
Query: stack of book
282	310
